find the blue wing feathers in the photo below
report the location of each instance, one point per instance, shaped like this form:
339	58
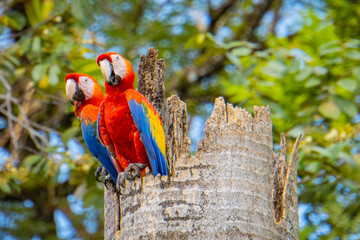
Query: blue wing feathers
89	132
156	158
150	152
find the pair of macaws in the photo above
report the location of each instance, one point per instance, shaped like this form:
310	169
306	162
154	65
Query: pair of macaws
122	129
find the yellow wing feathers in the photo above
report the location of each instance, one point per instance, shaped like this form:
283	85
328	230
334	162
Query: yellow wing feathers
157	130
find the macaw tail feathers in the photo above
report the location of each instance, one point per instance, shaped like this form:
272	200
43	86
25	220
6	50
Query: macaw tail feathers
152	135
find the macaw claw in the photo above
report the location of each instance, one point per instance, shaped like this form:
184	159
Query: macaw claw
120	182
133	170
108	179
98	177
105	176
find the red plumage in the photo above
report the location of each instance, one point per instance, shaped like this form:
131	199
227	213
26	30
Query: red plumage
87	94
116	125
95	100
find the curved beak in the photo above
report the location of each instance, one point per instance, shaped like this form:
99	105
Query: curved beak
73	92
107	69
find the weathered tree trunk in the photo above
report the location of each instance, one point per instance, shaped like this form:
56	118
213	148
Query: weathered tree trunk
235	187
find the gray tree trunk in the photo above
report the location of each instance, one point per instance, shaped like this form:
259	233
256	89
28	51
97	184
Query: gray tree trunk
234	187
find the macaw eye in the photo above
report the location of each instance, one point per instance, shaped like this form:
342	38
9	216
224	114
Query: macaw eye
85	79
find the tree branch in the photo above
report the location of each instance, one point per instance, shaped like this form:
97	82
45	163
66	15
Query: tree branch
180	82
216	14
23	123
253	20
8	112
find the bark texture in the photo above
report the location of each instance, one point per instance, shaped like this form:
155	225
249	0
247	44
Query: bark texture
151	72
235	187
111	212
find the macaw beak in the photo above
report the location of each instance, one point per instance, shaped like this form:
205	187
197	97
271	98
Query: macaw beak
107	69
73	92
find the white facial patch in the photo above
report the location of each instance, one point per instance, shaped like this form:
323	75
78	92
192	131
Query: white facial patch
86	85
119	65
70	88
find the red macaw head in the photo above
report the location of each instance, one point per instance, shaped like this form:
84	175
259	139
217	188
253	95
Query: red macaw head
81	88
116	69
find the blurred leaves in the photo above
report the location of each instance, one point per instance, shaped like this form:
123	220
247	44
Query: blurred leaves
44	41
39	71
311	85
14	20
70	133
330	110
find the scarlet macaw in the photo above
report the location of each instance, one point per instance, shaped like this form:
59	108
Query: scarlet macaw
128	124
88	95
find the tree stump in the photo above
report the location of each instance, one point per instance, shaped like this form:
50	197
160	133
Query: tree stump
234	187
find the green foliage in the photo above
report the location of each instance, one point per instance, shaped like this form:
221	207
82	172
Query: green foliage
36	181
311	84
47	45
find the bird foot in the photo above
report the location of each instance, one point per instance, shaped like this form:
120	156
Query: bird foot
120	181
108	179
105	176
97	173
133	170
